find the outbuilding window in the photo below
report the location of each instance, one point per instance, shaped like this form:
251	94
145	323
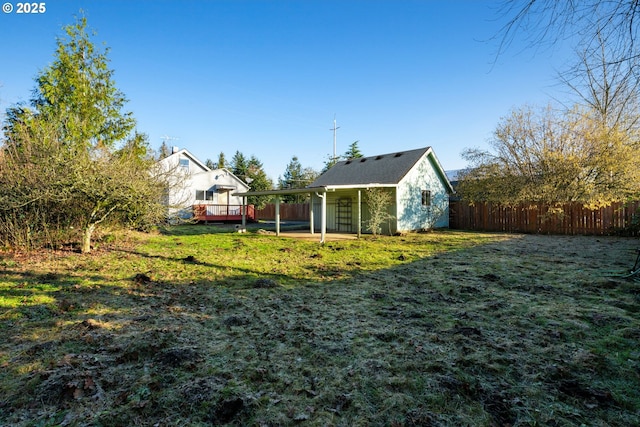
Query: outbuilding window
426	197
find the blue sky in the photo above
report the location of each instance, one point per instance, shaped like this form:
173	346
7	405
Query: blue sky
267	77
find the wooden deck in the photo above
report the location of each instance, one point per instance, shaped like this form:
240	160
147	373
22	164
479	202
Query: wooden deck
223	213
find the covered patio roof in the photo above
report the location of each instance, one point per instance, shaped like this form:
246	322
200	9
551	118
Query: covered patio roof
318	191
321	189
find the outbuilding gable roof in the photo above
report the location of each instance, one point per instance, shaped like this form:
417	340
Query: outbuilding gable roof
381	169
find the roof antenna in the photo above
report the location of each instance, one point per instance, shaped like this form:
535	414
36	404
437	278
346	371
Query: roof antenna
334	129
167	138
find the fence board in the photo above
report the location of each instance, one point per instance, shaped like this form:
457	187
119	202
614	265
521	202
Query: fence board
571	218
288	212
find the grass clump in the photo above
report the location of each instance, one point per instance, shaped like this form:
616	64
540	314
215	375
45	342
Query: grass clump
198	326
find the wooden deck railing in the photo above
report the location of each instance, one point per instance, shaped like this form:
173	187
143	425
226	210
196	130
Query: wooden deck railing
223	212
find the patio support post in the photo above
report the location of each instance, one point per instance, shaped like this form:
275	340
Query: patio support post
277	216
359	213
244	212
311	230
323	218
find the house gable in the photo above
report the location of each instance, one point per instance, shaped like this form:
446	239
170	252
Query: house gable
183	158
385	169
217	182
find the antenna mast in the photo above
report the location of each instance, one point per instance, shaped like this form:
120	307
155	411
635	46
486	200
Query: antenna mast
334	129
167	138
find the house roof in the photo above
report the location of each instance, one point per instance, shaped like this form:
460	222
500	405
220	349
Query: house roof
383	169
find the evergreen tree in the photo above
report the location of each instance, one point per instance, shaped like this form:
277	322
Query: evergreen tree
222	161
78	93
353	152
251	172
164	151
259	181
292	177
329	163
296	177
239	165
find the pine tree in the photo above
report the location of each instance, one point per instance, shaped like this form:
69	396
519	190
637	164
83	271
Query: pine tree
164	151
295	176
259	182
353	152
222	161
239	165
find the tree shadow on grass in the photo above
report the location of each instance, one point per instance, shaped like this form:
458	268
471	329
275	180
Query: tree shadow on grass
195	229
253	227
238	272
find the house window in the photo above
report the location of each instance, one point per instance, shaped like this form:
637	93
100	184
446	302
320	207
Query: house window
204	195
184	163
426	197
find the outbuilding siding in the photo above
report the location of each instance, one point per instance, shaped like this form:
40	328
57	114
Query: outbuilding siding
406	174
412	215
334	219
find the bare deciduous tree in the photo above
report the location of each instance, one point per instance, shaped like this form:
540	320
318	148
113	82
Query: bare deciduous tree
587	22
553	157
608	88
588	152
378	202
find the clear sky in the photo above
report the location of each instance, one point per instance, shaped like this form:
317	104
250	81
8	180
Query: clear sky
267	77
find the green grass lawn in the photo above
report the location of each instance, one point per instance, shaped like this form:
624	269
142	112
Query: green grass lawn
196	325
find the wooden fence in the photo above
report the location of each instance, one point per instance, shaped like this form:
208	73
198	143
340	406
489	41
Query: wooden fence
288	212
569	218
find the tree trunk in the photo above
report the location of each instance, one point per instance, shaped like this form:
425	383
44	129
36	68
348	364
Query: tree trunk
86	238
